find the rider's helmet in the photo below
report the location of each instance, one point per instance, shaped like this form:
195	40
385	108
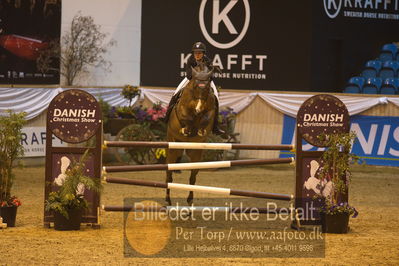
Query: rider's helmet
199	47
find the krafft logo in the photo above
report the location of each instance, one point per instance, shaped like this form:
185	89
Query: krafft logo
363	9
222	16
332	7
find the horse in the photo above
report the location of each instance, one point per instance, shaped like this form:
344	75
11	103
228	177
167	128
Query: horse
191	120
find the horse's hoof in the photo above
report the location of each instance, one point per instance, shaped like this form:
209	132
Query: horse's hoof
185	132
202	132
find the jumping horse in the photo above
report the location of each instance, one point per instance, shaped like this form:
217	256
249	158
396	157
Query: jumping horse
191	120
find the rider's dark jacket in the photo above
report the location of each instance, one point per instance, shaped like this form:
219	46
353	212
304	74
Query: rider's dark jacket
191	62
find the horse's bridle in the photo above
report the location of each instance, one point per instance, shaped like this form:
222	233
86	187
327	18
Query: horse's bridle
198	86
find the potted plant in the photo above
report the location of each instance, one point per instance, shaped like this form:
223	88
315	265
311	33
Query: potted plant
120	116
149	125
124	112
68	202
335	177
129	92
10	149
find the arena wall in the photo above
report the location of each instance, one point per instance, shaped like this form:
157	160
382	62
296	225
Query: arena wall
259	123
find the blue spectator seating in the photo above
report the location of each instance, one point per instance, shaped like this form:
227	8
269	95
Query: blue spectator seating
355	85
389	70
380	75
372	69
388	52
390	86
372	86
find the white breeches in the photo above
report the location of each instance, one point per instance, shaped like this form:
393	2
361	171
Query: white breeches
185	81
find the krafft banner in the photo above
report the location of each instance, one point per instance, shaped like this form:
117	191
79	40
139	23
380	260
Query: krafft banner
377	138
33	140
251	41
27	28
366	9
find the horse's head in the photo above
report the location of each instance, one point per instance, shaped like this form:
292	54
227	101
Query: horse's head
201	87
196	109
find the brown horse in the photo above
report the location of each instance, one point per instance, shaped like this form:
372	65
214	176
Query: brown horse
191	120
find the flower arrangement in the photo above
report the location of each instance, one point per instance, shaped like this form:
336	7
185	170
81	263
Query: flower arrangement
160	155
123	112
12	201
336	172
129	92
343	207
112	112
140	114
226	115
156	112
152	119
226	119
147	115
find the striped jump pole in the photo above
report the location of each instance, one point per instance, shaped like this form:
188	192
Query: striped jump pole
195	208
195	188
197	145
199	165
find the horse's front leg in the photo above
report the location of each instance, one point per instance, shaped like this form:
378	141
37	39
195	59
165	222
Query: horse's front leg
193	179
203	124
195	156
187	124
172	156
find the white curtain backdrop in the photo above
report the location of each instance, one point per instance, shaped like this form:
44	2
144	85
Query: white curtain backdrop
34	101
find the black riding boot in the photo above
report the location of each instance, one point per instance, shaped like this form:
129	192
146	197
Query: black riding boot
216	130
172	103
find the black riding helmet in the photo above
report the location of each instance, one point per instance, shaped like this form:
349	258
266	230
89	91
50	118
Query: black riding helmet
199	47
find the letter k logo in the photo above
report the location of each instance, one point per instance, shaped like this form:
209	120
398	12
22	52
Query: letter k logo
331	8
222	16
235	33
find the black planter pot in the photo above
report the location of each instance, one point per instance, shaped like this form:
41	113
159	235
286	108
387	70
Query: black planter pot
73	223
334	223
9	215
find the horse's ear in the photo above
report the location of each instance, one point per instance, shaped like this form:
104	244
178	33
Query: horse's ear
194	72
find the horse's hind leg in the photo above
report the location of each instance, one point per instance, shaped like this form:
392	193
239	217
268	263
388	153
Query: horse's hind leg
171	157
195	156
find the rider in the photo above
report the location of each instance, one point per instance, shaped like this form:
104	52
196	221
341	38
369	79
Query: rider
197	56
